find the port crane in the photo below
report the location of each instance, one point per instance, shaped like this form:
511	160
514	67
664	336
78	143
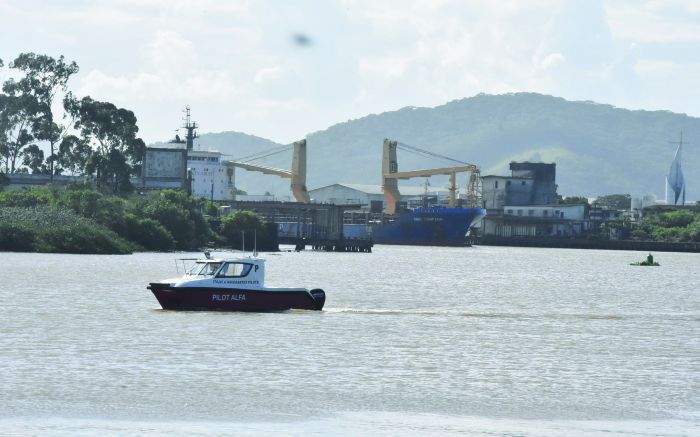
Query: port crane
297	175
391	175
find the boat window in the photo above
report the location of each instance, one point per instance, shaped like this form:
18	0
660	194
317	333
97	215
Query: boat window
209	269
196	268
233	270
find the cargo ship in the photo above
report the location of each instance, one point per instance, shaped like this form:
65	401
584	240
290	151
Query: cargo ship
426	226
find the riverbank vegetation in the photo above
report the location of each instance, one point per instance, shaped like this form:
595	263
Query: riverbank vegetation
45	229
80	219
676	226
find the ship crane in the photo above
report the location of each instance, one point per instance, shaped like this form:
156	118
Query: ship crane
297	174
391	175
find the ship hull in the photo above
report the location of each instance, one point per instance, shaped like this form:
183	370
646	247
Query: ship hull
425	227
235	299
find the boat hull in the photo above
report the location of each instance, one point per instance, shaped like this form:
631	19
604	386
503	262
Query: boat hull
421	227
235	299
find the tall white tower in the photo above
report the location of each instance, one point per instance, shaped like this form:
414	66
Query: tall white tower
674	180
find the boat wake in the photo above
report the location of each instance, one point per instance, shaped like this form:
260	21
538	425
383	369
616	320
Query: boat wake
453	313
467	313
382	311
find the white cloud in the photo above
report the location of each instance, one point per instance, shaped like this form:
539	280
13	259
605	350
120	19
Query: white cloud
654	21
423	53
646	68
552	60
161	86
169	51
236	63
268	74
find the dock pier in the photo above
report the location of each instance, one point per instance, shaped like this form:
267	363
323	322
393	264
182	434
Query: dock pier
315	225
341	245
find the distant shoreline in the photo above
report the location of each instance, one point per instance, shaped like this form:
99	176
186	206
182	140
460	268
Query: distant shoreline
581	243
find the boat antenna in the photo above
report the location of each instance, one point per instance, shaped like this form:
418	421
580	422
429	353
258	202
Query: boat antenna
255	244
243	241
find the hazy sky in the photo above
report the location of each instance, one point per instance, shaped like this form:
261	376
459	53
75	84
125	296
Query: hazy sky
282	69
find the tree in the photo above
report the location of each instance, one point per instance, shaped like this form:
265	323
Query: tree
46	130
3	178
113	130
33	157
135	150
110	126
73	154
17	114
234	226
43	78
26	115
676	225
614	201
180	214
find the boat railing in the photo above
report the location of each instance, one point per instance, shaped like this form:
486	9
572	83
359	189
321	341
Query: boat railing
181	262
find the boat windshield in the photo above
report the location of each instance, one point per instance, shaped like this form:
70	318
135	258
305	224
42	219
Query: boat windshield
204	268
235	270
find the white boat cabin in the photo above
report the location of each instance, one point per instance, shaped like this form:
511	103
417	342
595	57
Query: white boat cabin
234	273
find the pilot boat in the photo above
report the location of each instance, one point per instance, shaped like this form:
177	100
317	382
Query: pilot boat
231	285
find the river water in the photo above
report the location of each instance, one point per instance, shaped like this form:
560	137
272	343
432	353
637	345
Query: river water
413	340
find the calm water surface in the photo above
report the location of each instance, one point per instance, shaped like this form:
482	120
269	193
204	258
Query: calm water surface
463	341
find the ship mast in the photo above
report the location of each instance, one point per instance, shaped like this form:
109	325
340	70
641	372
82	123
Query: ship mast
190	126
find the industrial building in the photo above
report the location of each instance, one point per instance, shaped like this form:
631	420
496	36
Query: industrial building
524	204
537	221
372	196
530	183
164	167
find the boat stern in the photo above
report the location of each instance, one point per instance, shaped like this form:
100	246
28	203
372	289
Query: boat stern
319	297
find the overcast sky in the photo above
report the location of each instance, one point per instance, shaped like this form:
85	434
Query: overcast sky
281	69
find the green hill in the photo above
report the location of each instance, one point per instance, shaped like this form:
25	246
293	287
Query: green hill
599	149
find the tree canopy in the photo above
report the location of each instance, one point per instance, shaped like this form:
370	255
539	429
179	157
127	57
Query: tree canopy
614	201
85	137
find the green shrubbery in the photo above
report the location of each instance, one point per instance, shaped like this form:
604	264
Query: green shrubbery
79	219
257	232
180	215
148	233
677	226
26	198
16	237
50	229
